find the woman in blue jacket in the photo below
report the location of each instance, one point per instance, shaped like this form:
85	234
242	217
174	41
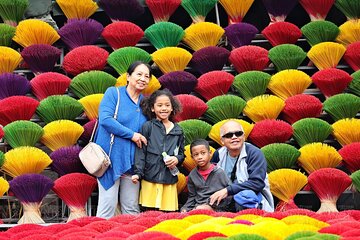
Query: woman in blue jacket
117	179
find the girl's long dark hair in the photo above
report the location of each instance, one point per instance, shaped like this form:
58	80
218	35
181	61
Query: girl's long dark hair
149	102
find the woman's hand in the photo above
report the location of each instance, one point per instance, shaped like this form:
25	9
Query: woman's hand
139	139
135	179
172	162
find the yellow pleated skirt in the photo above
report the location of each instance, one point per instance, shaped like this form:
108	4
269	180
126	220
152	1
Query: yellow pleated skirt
157	195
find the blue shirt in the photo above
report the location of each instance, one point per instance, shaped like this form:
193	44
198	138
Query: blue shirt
229	164
129	120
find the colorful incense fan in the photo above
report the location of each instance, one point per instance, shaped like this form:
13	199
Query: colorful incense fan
203	34
326	54
9	59
85	58
122	58
198	9
49	83
179	82
194	129
22	160
30	189
251	84
13	84
61	133
224	107
122	34
17	108
282	33
192	107
236	10
280	155
270	131
79	32
22	133
34	31
79	9
347	131
264	107
164	34
318	155
310	130
59	107
285	184
91	105
213	84
288	83
162	9
91	82
75	189
170	59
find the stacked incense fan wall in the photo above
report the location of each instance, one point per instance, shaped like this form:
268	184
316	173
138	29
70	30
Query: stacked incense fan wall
207	90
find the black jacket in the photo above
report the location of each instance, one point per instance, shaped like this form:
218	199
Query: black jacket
149	163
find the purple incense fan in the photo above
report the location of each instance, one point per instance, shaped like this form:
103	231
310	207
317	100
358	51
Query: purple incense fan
88	128
13	84
240	34
30	189
79	32
279	9
122	10
209	59
178	82
66	160
41	57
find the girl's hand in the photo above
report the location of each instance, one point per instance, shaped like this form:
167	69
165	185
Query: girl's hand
135	179
172	162
139	139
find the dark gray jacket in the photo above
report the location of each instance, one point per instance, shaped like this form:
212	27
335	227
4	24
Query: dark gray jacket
149	163
200	190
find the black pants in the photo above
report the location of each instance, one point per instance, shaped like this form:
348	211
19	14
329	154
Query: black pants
226	205
238	207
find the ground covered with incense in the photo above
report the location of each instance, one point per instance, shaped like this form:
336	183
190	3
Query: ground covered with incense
200	224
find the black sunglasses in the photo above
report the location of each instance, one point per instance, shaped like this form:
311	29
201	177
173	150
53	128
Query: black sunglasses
231	134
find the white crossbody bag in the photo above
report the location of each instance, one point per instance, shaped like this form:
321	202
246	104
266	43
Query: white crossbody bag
93	157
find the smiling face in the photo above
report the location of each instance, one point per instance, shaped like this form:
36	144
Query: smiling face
139	78
201	155
235	142
162	107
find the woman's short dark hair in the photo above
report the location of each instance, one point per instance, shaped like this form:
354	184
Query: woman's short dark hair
132	67
149	103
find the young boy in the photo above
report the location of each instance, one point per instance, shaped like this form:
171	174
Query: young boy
204	180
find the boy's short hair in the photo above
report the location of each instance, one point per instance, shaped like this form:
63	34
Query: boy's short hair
198	142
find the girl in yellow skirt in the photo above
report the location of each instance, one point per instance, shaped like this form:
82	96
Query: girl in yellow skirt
158	174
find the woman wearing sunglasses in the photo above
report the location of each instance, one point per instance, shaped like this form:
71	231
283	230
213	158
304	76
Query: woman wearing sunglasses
245	165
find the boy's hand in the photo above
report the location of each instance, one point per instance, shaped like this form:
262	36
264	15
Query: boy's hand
135	179
172	162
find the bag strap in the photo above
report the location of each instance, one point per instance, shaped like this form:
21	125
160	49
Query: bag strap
93	131
233	172
112	137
